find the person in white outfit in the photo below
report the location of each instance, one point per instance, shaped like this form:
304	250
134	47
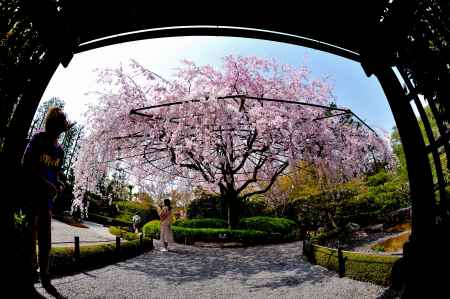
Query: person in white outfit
166	234
136	222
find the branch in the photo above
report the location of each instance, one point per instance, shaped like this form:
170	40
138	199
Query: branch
248	153
261	162
272	181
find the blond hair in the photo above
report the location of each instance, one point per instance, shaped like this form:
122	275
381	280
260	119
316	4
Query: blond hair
55	120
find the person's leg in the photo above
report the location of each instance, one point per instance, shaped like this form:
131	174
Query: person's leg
30	251
45	244
44	240
32	244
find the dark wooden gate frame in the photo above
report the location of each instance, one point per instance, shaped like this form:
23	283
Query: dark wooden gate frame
57	43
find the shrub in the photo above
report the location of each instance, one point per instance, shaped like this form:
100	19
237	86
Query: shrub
191	235
378	179
151	229
123	233
321	236
254	206
201	223
269	224
206	205
127	209
244	236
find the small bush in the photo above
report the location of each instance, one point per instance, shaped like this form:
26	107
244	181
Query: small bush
378	179
378	248
123	233
269	224
201	223
127	209
320	237
151	229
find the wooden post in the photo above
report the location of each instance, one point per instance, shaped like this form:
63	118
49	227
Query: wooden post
76	254
117	244
341	262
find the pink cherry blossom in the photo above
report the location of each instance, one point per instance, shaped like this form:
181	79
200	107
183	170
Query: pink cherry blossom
222	136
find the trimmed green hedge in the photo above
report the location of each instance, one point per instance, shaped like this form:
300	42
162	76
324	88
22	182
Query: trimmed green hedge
201	223
94	256
269	224
245	236
359	266
123	233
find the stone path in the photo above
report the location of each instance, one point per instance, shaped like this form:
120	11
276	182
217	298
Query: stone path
274	271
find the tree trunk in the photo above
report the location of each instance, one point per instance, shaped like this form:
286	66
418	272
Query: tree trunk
233	209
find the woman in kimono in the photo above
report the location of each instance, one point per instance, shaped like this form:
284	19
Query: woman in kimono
166	234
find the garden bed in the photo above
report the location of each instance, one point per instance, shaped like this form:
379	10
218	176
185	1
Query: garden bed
392	244
386	241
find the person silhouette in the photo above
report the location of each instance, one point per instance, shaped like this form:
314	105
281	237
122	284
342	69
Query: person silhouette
136	222
42	162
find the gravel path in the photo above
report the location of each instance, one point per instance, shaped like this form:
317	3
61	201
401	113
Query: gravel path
274	271
62	232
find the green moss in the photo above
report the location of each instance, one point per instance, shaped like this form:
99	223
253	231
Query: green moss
359	266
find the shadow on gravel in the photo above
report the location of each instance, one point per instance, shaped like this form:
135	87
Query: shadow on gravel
389	294
269	266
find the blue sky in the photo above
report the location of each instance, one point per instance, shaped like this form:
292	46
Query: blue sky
351	86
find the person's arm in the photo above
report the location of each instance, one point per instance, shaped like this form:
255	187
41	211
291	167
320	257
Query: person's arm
164	214
61	178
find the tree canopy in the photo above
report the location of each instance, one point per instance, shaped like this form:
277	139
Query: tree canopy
226	130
